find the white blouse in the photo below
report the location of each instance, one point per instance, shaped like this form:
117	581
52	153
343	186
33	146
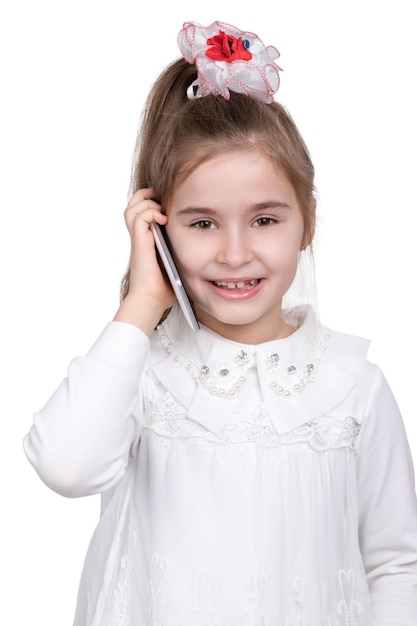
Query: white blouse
242	485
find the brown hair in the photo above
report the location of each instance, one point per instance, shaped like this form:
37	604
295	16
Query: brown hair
178	134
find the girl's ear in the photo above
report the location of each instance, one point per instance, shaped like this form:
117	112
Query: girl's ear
309	225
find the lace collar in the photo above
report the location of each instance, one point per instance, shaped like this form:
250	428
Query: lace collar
301	377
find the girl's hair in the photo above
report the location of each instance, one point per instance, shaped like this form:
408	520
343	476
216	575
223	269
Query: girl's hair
178	134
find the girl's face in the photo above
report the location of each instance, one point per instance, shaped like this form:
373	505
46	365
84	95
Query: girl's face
237	229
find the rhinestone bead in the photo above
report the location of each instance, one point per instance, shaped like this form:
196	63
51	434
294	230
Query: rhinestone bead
274	357
291	369
309	369
224	372
205	370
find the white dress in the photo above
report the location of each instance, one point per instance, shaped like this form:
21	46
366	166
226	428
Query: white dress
242	485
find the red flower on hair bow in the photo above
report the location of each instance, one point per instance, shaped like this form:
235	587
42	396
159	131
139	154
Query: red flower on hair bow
227	48
228	59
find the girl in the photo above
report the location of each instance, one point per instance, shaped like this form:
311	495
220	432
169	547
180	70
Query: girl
256	471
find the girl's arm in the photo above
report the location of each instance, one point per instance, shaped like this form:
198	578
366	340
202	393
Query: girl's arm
81	440
388	511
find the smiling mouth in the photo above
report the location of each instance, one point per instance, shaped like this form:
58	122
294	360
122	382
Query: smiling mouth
247	284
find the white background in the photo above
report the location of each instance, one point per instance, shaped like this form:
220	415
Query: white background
74	76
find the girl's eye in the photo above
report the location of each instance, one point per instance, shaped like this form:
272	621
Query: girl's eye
203	225
265	221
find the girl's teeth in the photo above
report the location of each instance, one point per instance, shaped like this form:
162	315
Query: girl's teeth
236	285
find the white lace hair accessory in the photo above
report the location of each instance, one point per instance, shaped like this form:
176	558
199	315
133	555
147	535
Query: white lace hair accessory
228	59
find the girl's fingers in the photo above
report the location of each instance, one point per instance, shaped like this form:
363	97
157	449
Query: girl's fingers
141	211
142	194
139	197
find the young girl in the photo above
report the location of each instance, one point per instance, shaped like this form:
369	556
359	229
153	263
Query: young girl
254	472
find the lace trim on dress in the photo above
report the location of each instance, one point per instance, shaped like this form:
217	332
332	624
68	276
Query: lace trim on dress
348	605
295	617
155	590
255	614
168	418
122	591
207	611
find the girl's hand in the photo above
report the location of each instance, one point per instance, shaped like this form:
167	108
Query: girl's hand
149	292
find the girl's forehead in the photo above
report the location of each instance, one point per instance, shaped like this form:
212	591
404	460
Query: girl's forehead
234	179
218	162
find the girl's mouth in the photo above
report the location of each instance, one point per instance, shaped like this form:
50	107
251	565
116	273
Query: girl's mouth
240	284
237	290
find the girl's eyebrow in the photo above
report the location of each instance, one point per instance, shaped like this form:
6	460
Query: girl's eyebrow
190	210
269	204
253	208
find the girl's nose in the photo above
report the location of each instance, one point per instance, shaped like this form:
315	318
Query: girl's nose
234	249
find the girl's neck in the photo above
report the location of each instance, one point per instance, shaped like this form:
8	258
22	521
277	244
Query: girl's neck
251	334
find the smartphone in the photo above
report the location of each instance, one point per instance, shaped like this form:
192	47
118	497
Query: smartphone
174	276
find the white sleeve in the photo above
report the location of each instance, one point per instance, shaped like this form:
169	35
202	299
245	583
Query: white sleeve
81	440
387	510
